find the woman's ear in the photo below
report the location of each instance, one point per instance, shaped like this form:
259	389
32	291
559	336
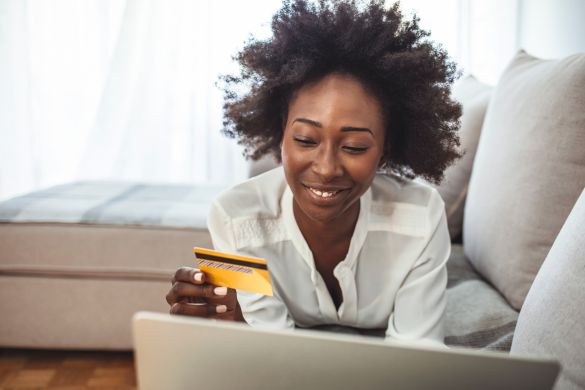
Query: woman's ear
382	165
382	162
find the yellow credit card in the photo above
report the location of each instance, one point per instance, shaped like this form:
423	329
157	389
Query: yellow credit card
234	271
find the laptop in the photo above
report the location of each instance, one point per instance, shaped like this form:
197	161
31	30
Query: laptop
175	352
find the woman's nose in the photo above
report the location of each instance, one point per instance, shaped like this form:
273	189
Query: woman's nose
327	165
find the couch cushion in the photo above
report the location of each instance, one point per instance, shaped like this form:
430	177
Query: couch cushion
125	230
74	313
552	319
476	316
474	96
528	171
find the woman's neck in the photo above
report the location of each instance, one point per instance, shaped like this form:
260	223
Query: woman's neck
327	232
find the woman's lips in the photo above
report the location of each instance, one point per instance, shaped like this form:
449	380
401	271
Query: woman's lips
324	194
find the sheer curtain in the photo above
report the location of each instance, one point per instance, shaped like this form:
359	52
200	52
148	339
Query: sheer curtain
482	36
125	89
53	57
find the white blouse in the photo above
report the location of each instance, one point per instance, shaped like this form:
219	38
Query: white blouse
393	277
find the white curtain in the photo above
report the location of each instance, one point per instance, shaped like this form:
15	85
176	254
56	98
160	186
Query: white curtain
125	89
482	36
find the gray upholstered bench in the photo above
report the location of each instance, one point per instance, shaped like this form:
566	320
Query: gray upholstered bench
77	260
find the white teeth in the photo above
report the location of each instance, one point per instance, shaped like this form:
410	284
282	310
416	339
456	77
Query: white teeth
323	194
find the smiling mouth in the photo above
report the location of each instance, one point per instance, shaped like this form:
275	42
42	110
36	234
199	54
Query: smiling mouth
322	193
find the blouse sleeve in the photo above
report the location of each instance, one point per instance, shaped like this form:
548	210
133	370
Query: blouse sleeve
259	310
420	302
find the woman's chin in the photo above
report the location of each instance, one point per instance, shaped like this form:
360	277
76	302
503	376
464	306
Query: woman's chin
325	216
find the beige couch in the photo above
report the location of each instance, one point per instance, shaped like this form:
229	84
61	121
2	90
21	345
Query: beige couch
77	260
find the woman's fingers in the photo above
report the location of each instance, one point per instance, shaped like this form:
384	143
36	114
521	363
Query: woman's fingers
182	290
188	275
198	309
190	295
224	296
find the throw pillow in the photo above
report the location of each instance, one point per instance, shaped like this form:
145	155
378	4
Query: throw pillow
474	96
528	171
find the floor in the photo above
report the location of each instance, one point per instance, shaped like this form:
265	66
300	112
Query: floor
66	370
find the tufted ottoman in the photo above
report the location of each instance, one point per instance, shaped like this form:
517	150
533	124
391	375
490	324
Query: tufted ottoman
77	260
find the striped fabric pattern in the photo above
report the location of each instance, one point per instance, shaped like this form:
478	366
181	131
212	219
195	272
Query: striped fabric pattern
477	315
115	203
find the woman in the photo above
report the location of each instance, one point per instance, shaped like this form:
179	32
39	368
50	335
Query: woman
339	92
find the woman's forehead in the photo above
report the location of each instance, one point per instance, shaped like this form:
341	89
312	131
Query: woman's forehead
338	96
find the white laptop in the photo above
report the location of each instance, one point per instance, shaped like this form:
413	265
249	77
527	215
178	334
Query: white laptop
175	352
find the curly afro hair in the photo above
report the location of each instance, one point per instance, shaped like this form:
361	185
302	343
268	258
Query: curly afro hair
410	75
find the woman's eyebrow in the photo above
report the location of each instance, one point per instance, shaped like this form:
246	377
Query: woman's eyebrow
308	121
350	128
344	129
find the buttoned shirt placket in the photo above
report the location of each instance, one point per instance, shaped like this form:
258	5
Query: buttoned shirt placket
344	272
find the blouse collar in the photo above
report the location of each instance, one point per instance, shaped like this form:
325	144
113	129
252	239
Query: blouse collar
357	239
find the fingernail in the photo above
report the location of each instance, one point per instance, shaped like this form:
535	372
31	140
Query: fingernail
220	291
221	308
198	276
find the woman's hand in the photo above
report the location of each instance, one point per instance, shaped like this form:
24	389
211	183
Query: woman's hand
190	295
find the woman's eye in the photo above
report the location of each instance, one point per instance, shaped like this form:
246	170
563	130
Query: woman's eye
304	141
355	149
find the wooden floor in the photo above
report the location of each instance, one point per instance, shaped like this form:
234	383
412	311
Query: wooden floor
66	370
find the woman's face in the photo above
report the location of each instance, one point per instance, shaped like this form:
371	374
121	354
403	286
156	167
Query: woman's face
332	145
